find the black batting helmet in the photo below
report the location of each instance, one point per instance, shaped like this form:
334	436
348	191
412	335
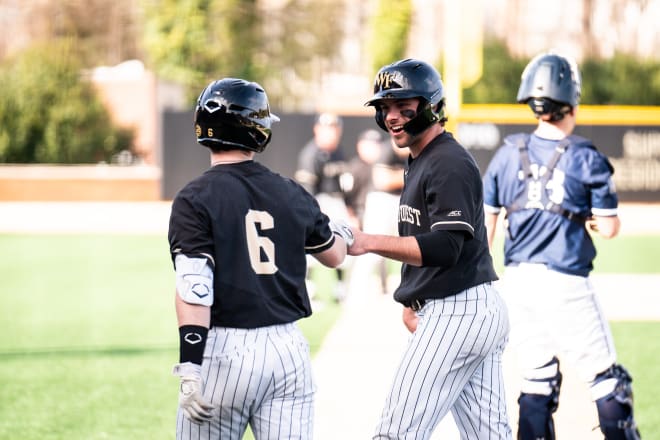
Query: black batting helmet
233	114
550	84
411	79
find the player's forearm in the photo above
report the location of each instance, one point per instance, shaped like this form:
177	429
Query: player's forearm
192	314
404	249
334	256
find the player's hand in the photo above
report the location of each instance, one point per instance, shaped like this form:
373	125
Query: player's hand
410	319
343	229
592	224
357	248
191	401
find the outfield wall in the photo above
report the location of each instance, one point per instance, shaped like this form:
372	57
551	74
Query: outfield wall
628	135
63	183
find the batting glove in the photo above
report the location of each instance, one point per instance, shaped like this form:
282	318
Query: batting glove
341	228
191	401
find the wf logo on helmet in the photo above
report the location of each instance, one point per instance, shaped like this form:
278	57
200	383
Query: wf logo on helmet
385	81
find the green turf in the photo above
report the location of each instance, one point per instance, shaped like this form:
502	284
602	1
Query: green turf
88	336
628	254
638	348
624	254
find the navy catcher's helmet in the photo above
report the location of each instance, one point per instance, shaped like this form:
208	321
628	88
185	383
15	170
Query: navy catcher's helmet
233	114
411	79
550	84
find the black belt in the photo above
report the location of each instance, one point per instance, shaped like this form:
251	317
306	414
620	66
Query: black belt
417	304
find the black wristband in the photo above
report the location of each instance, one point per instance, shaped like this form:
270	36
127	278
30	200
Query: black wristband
192	339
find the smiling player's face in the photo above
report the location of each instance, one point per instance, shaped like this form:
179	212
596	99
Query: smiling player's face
397	112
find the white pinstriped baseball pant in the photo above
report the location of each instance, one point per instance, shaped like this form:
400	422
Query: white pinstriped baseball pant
258	376
453	362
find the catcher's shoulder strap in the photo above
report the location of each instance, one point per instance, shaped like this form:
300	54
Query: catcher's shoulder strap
534	193
520	141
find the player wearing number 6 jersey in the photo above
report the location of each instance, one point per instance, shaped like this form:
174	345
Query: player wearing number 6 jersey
239	235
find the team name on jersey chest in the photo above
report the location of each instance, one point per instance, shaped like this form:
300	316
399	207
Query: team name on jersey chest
409	214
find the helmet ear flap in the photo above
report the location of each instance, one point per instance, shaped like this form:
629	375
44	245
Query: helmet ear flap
380	118
440	110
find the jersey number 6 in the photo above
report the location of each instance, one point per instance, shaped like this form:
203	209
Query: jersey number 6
257	243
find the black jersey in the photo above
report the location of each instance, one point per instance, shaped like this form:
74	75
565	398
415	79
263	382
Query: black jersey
320	171
258	227
443	191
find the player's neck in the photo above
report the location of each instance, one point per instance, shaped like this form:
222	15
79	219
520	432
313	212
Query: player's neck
229	157
423	139
548	130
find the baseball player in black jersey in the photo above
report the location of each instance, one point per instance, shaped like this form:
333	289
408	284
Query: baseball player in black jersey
321	170
459	322
239	235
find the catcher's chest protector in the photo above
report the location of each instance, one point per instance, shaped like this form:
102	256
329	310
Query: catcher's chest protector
535	192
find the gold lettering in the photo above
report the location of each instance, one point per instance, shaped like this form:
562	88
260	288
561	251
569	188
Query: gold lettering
384	80
209	132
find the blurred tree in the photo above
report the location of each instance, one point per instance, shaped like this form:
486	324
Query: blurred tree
300	43
48	114
195	41
105	31
500	79
390	26
622	79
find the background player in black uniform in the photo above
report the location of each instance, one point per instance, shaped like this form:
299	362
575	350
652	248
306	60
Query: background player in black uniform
380	208
453	360
239	235
321	167
369	149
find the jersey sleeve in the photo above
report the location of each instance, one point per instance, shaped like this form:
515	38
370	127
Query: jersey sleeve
319	236
450	196
492	202
604	200
189	228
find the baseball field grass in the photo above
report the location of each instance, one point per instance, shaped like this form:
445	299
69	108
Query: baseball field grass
88	335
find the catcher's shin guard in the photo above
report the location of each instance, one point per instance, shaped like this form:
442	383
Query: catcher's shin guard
538	400
612	391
